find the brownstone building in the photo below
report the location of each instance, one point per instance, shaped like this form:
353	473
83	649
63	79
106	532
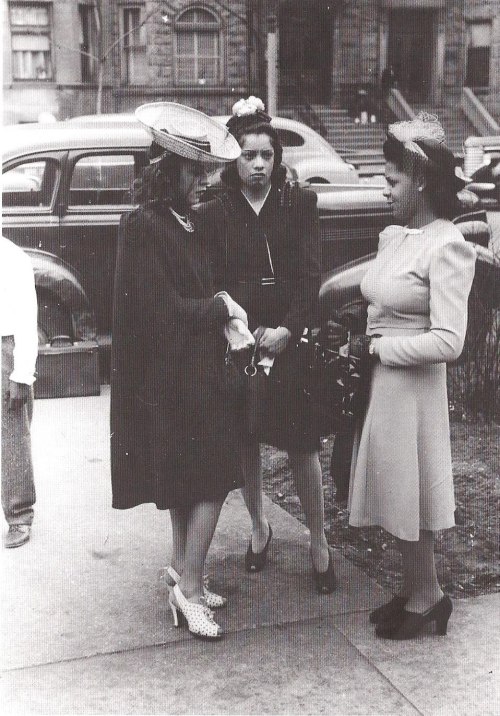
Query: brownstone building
68	56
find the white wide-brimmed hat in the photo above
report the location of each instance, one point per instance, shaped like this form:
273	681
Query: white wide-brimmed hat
187	132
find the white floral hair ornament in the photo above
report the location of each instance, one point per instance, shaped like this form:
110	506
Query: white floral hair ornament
424	127
251	105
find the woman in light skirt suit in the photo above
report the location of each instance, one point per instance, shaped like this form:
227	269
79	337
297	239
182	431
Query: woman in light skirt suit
417	290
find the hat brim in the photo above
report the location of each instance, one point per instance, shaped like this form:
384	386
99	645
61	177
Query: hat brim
156	115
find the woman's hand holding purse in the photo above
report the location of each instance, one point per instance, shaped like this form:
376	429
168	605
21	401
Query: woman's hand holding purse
237	335
274	341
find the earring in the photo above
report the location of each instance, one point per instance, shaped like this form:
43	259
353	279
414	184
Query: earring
420	188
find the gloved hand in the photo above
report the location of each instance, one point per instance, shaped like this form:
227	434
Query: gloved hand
237	335
235	310
274	341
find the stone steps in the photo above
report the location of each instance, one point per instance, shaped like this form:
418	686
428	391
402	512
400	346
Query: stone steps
455	124
360	144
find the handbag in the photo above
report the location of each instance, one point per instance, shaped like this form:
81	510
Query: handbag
250	385
257	392
335	383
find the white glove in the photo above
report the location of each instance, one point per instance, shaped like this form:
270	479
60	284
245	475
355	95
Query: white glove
237	335
235	310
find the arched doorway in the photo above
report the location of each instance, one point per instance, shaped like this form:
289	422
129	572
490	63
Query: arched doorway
305	51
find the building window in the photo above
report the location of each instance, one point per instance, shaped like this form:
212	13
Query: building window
198	56
135	67
478	54
88	42
30	30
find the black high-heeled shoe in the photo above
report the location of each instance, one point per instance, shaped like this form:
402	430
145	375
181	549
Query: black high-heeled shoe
411	623
326	581
388	611
256	561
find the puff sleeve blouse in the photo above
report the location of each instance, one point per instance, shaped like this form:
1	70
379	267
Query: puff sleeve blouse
417	290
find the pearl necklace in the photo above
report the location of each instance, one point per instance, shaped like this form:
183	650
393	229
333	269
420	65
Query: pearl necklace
184	221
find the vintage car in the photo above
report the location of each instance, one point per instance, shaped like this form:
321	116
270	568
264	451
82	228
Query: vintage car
307	156
77	185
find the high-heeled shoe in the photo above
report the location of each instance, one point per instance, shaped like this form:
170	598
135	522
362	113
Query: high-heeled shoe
256	561
388	611
326	581
212	600
410	624
199	618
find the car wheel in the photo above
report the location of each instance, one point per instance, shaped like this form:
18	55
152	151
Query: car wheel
317	180
53	318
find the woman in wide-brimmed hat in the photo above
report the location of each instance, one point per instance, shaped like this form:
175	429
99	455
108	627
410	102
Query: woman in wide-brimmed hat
417	290
173	425
264	232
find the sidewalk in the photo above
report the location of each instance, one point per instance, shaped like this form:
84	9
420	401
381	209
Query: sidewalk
87	629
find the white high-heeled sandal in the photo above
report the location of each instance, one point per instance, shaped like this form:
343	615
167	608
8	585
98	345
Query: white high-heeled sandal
199	618
212	600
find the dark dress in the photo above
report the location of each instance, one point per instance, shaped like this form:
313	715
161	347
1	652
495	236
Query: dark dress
174	439
241	260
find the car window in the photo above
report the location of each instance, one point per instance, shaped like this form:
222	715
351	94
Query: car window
104	179
290	139
30	184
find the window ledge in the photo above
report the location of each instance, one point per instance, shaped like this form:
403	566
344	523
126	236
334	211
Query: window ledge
173	90
32	83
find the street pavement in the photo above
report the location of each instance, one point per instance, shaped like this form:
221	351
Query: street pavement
86	627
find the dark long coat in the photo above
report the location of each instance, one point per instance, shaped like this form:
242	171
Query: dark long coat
237	238
281	242
173	426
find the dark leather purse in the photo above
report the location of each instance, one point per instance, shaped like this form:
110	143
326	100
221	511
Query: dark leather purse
336	381
251	384
257	390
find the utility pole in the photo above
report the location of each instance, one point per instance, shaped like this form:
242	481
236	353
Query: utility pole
272	57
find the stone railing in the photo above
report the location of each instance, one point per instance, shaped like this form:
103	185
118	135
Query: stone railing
477	113
399	106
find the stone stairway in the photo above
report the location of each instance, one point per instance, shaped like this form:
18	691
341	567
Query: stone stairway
359	144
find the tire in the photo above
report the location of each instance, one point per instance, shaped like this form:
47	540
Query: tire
53	318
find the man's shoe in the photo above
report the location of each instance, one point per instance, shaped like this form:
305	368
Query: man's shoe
17	536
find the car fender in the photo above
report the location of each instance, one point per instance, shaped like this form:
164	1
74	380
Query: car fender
56	277
340	295
331	171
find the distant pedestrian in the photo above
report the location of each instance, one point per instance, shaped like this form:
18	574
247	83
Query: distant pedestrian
388	79
417	290
174	432
18	319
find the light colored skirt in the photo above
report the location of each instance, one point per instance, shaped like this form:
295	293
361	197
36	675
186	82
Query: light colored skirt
401	473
